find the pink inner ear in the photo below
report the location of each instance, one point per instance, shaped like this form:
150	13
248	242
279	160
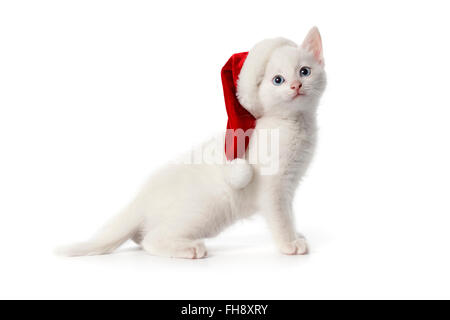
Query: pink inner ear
313	43
317	50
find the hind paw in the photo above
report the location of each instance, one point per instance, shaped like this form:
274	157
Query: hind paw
296	247
184	249
196	250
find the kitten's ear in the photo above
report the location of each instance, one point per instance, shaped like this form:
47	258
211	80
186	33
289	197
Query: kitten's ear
313	43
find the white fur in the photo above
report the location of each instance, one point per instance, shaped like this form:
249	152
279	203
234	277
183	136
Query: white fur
182	204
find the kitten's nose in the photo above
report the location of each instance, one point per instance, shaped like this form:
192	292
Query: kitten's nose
295	85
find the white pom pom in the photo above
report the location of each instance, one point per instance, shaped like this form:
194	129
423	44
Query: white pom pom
239	173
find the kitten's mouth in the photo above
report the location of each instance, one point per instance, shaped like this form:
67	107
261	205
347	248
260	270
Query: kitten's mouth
299	94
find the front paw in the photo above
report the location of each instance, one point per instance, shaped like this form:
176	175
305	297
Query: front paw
296	247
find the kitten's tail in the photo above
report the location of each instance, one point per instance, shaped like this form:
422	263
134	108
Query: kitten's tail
110	237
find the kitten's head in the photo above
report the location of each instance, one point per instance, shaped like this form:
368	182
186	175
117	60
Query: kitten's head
282	78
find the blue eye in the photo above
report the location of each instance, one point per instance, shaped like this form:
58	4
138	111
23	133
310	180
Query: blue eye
278	80
305	72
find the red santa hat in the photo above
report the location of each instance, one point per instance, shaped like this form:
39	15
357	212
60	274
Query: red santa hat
241	76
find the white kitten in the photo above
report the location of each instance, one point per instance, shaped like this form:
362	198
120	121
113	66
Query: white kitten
182	204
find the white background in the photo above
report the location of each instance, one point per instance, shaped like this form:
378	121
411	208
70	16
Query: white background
95	95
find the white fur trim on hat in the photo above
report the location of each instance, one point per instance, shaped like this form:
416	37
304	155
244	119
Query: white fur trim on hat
253	70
